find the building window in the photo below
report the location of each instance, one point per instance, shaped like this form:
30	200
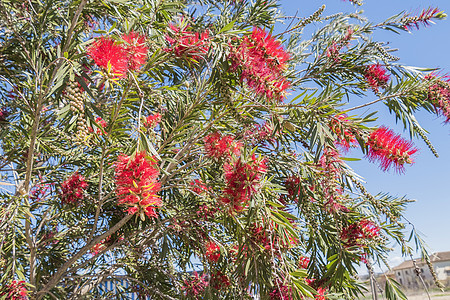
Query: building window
406	272
398	273
401	281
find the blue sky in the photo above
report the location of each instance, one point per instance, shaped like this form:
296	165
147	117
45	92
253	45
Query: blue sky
426	180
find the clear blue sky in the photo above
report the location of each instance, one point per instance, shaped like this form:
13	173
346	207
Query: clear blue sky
426	180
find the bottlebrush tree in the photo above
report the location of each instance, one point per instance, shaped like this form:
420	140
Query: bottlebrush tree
197	150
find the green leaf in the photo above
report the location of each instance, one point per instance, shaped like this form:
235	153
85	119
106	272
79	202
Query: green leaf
227	27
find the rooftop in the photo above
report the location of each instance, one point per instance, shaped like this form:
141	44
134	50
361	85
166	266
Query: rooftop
435	257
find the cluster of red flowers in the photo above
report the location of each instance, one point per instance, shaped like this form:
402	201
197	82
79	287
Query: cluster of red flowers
108	53
221	147
242	180
198	187
333	50
100	122
195	286
321	291
40	190
439	95
280	291
3	115
97	248
135	49
331	161
260	134
137	185
212	252
261	237
72	189
357	234
152	121
376	76
187	44
424	18
390	149
16	290
292	185
219	281
303	262
262	61
345	138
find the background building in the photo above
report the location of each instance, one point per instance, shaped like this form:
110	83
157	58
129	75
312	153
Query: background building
405	273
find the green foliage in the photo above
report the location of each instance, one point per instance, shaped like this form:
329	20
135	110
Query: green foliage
66	116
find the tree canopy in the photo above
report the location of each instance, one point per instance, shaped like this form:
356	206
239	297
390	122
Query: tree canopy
196	149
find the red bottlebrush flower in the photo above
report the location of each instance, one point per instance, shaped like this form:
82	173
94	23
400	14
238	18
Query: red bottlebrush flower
72	189
105	51
280	291
187	44
357	234
219	147
262	61
98	248
376	76
195	286
4	113
100	122
345	138
136	50
333	52
390	149
424	18
330	161
321	292
219	281
152	121
212	252
242	181
16	290
198	187
439	95
136	182
206	213
303	262
292	185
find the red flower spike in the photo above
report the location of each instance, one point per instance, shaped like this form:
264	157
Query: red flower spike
280	291
219	147
439	95
137	185
212	252
195	286
16	290
242	181
198	187
220	281
72	189
100	122
187	44
424	18
262	61
390	149
303	262
376	76
105	51
345	139
152	121
136	50
357	234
